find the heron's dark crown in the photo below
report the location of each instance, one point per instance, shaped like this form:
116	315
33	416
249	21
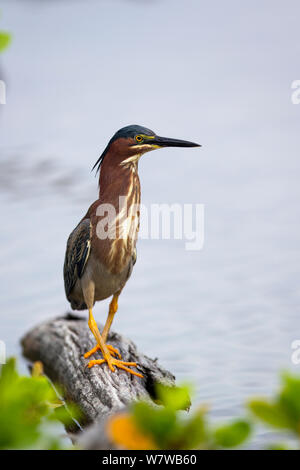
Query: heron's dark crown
131	131
124	133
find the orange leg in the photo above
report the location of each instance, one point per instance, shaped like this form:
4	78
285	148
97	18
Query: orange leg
113	307
107	356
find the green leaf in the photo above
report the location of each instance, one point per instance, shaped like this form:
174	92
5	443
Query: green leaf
160	423
289	400
26	411
194	432
66	414
8	373
175	398
270	413
232	435
168	427
5	39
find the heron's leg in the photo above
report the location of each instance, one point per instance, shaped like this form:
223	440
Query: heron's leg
107	357
113	307
88	289
95	330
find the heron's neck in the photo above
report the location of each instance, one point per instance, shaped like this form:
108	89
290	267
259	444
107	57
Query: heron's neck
120	187
119	180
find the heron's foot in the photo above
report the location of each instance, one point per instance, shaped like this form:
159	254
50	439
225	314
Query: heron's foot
113	351
113	362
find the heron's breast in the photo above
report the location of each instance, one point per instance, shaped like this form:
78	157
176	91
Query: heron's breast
124	230
105	281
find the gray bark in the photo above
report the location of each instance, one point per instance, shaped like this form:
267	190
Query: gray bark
60	344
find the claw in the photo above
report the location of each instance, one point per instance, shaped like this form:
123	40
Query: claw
111	362
113	351
109	357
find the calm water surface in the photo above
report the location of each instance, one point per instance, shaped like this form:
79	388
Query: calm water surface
223	317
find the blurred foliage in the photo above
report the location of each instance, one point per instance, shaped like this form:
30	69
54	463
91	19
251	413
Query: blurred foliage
166	427
283	411
5	39
31	415
30	411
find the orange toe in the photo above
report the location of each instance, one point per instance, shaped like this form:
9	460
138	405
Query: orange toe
113	351
111	362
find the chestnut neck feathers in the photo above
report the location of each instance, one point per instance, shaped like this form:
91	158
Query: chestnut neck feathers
118	178
120	186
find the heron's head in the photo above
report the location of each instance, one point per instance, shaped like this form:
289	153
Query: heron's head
131	142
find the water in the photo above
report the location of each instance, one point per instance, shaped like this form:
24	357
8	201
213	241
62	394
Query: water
224	317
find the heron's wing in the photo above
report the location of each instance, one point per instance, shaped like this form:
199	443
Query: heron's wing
77	254
134	256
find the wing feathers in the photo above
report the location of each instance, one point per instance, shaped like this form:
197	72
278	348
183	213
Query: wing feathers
77	254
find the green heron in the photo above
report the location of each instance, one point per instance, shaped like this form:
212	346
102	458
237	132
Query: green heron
98	263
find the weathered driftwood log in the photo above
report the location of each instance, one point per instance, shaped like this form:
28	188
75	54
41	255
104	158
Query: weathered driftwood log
60	344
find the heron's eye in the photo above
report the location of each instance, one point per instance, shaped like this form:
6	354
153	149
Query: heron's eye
138	138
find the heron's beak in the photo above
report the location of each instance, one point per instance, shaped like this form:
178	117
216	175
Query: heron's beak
168	142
